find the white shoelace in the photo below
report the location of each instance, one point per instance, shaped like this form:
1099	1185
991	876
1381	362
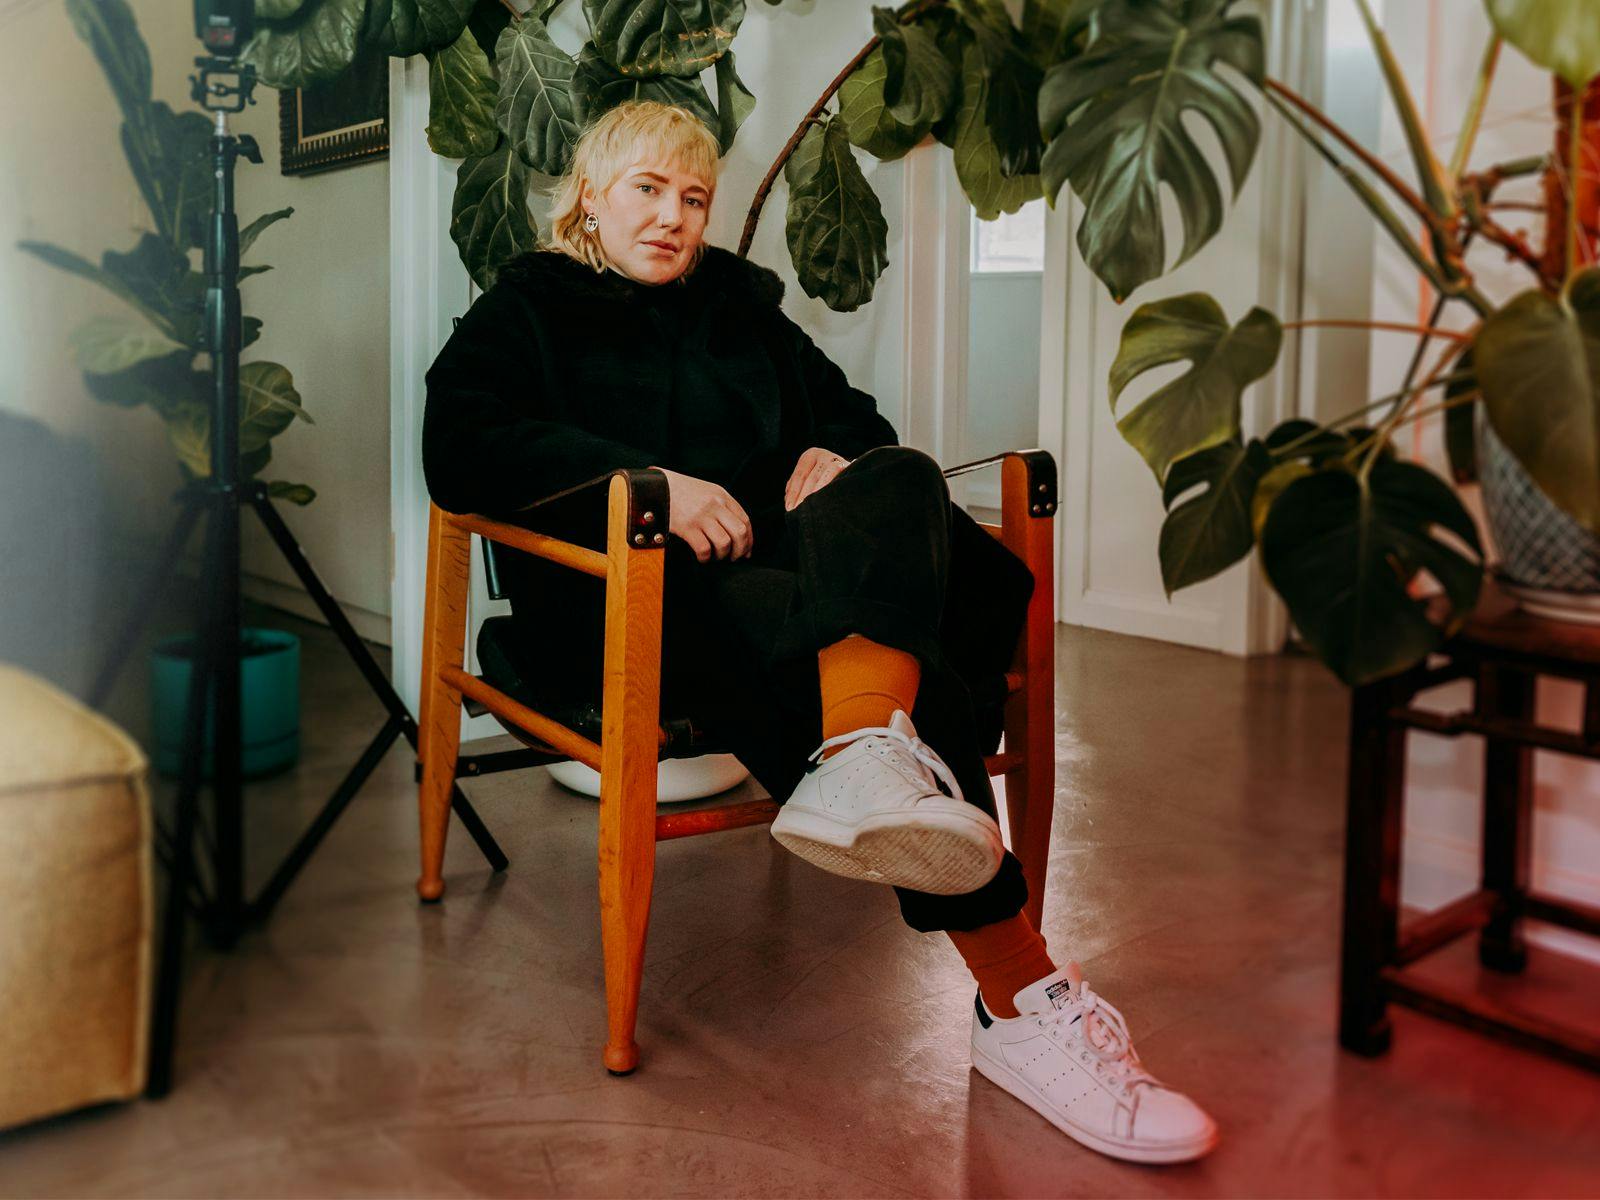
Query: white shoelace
920	751
1105	1034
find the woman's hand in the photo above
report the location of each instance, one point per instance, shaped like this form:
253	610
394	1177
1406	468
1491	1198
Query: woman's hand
705	516
815	470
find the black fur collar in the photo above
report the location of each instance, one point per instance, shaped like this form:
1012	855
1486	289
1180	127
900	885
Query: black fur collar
557	275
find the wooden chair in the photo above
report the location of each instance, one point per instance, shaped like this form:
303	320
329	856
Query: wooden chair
632	736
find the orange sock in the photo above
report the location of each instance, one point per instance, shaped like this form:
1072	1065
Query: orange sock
1004	958
863	682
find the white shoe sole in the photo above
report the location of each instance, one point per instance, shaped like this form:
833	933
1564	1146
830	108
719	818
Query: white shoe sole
1007	1080
945	853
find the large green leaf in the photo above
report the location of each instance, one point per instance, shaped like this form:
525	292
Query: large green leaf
1210	531
169	154
1200	408
106	345
160	275
1051	27
1560	35
837	236
489	18
295	493
112	33
73	264
1341	549
313	46
663	37
1114	120
1011	87
165	384
405	27
735	102
867	119
919	82
977	159
1537	360
461	99
489	218
268	403
597	88
535	109
249	234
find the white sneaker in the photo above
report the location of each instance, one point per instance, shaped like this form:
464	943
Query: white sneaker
874	811
1069	1058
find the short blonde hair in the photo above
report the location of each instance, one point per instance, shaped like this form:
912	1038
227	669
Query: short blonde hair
616	139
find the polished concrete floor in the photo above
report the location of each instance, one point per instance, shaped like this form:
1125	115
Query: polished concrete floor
798	1039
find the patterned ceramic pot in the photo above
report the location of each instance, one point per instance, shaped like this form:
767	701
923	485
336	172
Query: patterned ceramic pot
1548	561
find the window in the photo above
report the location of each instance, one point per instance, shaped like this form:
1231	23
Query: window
1013	243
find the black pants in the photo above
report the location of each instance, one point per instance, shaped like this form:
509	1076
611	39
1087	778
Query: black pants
880	551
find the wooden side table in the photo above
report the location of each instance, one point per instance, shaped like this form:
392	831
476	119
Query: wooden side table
1503	651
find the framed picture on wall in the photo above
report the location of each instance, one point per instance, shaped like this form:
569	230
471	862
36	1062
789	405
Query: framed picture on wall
338	123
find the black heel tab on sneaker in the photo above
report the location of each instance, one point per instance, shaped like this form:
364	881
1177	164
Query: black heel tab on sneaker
984	1018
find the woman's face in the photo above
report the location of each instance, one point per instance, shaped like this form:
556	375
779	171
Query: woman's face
651	220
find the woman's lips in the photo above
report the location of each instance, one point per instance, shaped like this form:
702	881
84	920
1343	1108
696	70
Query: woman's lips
667	246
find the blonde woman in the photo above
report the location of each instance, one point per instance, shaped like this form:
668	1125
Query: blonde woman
825	603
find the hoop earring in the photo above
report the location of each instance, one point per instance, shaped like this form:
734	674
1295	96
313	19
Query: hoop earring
591	223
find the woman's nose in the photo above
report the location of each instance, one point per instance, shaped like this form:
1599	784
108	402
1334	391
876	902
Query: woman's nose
670	214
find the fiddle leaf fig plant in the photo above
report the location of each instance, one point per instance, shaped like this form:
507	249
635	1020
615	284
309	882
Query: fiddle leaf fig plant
148	357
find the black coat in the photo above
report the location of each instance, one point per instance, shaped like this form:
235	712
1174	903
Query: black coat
557	375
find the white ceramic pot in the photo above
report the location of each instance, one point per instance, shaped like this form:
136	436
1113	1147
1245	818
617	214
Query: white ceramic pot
677	779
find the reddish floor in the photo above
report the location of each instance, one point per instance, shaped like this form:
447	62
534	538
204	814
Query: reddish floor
798	1039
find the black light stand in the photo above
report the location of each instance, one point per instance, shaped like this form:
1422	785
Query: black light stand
214	699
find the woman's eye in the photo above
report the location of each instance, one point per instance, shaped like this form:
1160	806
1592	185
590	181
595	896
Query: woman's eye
645	187
695	200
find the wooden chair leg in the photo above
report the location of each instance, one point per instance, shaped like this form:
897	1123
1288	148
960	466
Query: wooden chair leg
630	724
444	639
1030	713
1507	818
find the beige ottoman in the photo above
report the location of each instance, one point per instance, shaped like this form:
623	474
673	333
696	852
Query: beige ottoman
75	904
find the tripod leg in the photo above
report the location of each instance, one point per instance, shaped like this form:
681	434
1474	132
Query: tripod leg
474	825
357	649
164	1014
139	613
329	607
262	908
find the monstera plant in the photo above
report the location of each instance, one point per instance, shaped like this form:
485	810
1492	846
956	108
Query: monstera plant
1376	557
148	357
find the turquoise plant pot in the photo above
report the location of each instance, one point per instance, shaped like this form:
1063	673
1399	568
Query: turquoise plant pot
269	692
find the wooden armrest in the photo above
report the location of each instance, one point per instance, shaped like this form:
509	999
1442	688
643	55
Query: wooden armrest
644	497
1039	471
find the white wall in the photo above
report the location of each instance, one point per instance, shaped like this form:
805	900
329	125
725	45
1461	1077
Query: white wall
63	179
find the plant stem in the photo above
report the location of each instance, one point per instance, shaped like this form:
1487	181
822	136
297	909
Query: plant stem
915	9
1390	326
1460	288
1286	450
512	9
1390	423
1434	186
1371	161
1574	159
1480	95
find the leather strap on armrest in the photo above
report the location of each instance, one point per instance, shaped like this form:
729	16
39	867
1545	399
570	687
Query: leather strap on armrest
1041	468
